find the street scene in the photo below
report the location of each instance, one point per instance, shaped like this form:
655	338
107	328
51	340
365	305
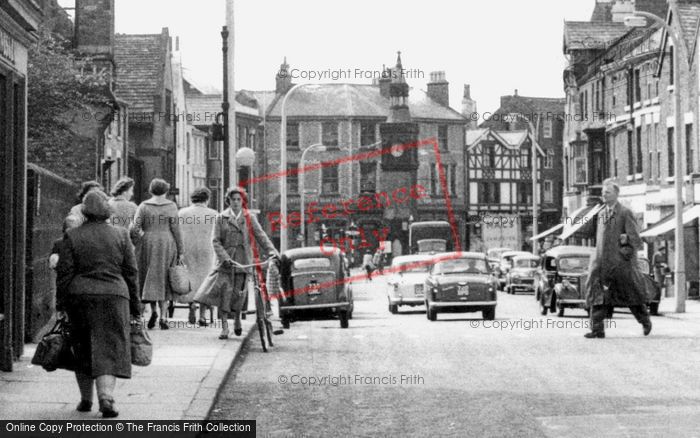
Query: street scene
256	219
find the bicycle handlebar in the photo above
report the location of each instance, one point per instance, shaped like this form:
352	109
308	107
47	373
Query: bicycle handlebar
241	266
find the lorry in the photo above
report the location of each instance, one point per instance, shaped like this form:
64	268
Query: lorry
430	237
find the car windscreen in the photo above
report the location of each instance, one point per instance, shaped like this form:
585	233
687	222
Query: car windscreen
527	263
574	263
414	266
462	266
432	245
313	263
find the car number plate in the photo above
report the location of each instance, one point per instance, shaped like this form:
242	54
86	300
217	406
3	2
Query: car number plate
463	290
418	289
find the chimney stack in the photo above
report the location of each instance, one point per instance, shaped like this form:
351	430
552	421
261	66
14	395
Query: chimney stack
622	9
283	79
469	107
439	88
385	82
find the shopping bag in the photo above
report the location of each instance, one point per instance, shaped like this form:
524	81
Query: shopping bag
141	345
55	350
179	279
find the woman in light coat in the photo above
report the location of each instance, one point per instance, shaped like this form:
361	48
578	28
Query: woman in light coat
196	224
123	210
159	247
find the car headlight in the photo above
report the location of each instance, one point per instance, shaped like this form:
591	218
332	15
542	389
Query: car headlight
490	289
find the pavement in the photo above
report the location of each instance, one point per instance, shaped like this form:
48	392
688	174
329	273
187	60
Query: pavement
522	375
181	383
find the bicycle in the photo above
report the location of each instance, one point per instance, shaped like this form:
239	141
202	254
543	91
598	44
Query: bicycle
262	309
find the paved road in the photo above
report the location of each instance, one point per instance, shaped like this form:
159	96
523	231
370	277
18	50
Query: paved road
521	375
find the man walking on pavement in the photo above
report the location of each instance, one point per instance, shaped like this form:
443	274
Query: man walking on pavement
615	279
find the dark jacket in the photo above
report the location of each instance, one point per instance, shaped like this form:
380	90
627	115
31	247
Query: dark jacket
609	267
97	259
232	240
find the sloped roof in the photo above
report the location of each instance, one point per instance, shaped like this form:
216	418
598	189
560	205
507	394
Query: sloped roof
591	35
203	108
264	98
689	14
357	100
140	63
509	139
539	106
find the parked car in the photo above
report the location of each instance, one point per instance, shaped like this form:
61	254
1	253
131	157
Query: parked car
495	253
505	264
460	282
493	263
523	274
562	283
312	279
406	283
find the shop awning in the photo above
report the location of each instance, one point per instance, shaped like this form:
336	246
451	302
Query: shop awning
578	219
552	230
669	224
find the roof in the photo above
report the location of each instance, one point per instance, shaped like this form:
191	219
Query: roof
202	108
669	224
412	258
140	64
358	100
312	252
510	139
264	98
526	256
689	14
570	249
591	35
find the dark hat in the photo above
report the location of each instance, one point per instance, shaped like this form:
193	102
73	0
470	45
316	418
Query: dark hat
96	206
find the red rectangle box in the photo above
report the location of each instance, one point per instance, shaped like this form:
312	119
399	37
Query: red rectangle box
412	191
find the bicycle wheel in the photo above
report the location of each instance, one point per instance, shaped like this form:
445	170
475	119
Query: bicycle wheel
260	318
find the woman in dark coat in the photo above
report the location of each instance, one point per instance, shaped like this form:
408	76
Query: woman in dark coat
96	287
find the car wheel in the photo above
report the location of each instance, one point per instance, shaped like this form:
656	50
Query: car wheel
343	315
285	323
394	309
432	314
561	311
654	309
489	314
543	309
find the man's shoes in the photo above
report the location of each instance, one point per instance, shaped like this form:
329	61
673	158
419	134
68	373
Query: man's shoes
237	331
84	406
163	325
202	323
647	328
592	335
192	318
152	320
107	408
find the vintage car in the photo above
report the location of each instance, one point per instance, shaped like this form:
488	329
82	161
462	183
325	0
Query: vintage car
460	282
523	274
496	252
505	264
562	283
431	246
406	283
313	283
493	263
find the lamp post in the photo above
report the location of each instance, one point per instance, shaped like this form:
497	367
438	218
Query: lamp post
638	19
283	164
535	198
245	158
320	148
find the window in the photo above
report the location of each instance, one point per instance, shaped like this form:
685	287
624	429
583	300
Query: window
442	137
368	134
689	149
188	142
650	173
213	150
547	128
489	156
548	191
640	156
489	193
671	156
453	179
434	180
658	165
526	158
580	164
168	106
329	177
213	183
630	154
293	135
549	159
329	134
240	136
292	178
368	177
525	193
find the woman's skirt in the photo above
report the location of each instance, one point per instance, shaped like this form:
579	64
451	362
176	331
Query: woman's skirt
100	334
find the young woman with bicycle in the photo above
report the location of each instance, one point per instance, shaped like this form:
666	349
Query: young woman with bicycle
231	237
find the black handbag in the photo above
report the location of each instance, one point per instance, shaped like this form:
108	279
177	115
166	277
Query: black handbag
55	350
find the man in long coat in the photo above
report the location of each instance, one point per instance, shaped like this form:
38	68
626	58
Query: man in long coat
615	279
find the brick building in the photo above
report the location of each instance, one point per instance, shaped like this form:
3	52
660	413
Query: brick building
619	84
347	119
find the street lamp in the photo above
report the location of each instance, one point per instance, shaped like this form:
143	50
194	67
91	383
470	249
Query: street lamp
534	185
320	148
638	19
283	164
